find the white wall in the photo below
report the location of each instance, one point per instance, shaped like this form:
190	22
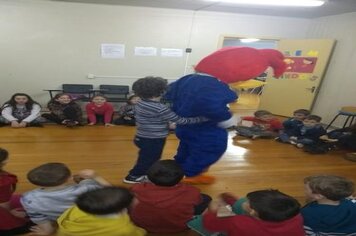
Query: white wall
44	44
339	85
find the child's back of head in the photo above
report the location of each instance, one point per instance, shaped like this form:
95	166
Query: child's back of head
273	205
104	201
305	112
49	175
165	173
261	113
100	212
332	187
149	87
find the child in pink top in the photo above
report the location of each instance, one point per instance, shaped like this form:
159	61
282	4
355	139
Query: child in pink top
99	109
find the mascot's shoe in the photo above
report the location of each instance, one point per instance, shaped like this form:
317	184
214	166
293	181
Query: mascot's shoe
199	179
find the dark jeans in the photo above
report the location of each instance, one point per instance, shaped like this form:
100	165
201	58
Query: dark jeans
199	209
122	121
306	141
150	151
284	137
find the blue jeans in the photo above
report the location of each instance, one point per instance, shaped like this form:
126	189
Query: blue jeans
150	151
305	141
284	137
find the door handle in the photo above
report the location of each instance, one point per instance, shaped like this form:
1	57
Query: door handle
312	89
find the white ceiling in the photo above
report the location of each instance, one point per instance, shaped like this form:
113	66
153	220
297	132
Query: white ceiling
332	7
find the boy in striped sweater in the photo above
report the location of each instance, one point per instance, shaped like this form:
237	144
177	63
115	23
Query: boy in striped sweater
153	120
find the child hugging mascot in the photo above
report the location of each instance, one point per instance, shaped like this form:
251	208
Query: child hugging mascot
206	93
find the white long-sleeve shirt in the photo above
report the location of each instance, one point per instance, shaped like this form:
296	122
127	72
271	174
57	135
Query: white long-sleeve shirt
7	113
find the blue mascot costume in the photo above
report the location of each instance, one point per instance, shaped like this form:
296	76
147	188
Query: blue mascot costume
206	93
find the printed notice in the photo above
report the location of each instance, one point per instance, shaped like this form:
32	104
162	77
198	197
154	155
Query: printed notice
145	51
171	52
112	50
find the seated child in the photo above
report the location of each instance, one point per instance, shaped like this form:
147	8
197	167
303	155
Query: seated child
329	212
309	133
127	112
64	111
99	110
100	212
55	194
344	138
268	213
13	220
21	111
264	125
291	127
165	204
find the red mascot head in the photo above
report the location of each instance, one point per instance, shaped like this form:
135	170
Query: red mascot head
233	64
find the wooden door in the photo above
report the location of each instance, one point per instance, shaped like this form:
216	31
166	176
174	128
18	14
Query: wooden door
307	62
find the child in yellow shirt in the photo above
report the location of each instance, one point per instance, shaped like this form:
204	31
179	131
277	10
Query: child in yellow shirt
101	212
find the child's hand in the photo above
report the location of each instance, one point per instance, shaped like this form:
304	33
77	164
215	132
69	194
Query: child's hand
127	118
214	205
228	198
45	228
15	124
87	174
18	212
22	124
109	124
327	139
172	125
77	178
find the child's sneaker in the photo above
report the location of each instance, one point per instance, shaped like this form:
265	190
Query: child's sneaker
71	123
199	179
300	145
293	142
130	179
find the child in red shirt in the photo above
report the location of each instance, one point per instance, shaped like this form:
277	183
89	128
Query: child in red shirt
264	124
266	213
99	109
12	217
165	205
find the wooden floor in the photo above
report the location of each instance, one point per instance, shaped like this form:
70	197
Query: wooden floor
246	166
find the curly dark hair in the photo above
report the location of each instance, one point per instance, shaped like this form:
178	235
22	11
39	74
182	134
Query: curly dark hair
149	87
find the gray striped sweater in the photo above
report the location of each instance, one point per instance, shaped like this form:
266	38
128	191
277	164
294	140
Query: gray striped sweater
152	119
